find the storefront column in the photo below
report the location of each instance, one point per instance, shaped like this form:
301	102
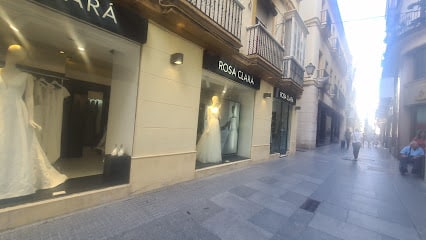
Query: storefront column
262	123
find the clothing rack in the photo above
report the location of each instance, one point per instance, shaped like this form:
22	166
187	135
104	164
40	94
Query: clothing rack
42	72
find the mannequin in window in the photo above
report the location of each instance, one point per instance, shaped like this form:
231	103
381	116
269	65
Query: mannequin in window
232	125
209	147
24	167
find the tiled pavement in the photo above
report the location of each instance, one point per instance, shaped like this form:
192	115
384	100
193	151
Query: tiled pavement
364	199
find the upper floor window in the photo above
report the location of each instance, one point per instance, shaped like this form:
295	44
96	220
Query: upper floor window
295	36
419	57
265	14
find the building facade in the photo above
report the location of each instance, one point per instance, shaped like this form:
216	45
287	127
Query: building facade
324	104
128	96
403	104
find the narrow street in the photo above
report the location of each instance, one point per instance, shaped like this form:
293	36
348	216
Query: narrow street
343	199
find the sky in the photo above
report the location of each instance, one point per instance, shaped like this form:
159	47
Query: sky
364	24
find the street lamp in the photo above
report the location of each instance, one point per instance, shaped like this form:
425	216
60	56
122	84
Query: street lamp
310	68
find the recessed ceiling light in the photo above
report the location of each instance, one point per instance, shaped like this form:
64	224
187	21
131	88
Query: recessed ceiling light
61	52
81	49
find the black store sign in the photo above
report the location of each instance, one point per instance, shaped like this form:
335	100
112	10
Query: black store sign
231	71
280	94
106	14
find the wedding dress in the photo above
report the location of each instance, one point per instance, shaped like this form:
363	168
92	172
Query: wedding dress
209	147
24	167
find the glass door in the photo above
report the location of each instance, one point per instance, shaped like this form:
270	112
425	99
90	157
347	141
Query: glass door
279	127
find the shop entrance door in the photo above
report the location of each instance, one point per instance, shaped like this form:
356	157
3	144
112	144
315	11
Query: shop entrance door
279	127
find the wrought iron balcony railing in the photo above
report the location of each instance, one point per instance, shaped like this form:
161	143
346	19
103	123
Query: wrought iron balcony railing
261	42
293	71
226	13
325	23
411	20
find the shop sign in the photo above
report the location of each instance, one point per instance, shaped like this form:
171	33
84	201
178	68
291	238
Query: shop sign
280	94
105	14
230	71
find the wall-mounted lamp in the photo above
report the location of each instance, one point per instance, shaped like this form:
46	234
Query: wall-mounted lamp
176	58
267	95
310	68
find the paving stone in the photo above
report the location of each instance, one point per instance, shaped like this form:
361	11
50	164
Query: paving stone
241	206
269	220
175	226
305	188
274	204
268	180
341	229
229	226
383	227
295	225
243	191
266	188
333	211
294	198
313	234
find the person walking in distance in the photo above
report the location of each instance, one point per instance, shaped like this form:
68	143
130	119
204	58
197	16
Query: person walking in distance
356	142
348	136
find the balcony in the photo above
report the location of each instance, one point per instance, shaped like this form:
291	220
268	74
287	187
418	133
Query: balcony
334	46
337	52
325	21
293	72
213	24
339	98
264	48
323	79
226	13
411	21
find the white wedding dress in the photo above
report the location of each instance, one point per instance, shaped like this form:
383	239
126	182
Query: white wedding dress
209	147
24	167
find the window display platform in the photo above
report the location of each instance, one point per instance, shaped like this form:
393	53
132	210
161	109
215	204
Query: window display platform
225	159
71	186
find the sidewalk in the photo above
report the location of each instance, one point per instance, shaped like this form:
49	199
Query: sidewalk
342	199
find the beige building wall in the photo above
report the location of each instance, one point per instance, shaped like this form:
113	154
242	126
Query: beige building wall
167	111
307	117
410	90
262	123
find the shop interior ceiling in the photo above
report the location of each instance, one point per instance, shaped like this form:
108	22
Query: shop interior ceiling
221	87
37	27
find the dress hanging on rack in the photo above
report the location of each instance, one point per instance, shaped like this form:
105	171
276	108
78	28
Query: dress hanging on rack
24	168
49	99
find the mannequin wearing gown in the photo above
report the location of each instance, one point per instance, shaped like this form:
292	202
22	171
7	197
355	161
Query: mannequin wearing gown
209	147
24	167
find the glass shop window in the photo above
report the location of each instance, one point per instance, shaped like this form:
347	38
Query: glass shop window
58	97
224	122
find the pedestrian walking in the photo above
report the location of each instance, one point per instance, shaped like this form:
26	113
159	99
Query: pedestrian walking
356	142
348	136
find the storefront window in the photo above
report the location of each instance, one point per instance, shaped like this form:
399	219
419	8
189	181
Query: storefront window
224	121
64	86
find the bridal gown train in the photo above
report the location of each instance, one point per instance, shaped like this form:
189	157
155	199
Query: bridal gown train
209	147
24	167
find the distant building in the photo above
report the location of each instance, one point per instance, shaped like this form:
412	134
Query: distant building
326	103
